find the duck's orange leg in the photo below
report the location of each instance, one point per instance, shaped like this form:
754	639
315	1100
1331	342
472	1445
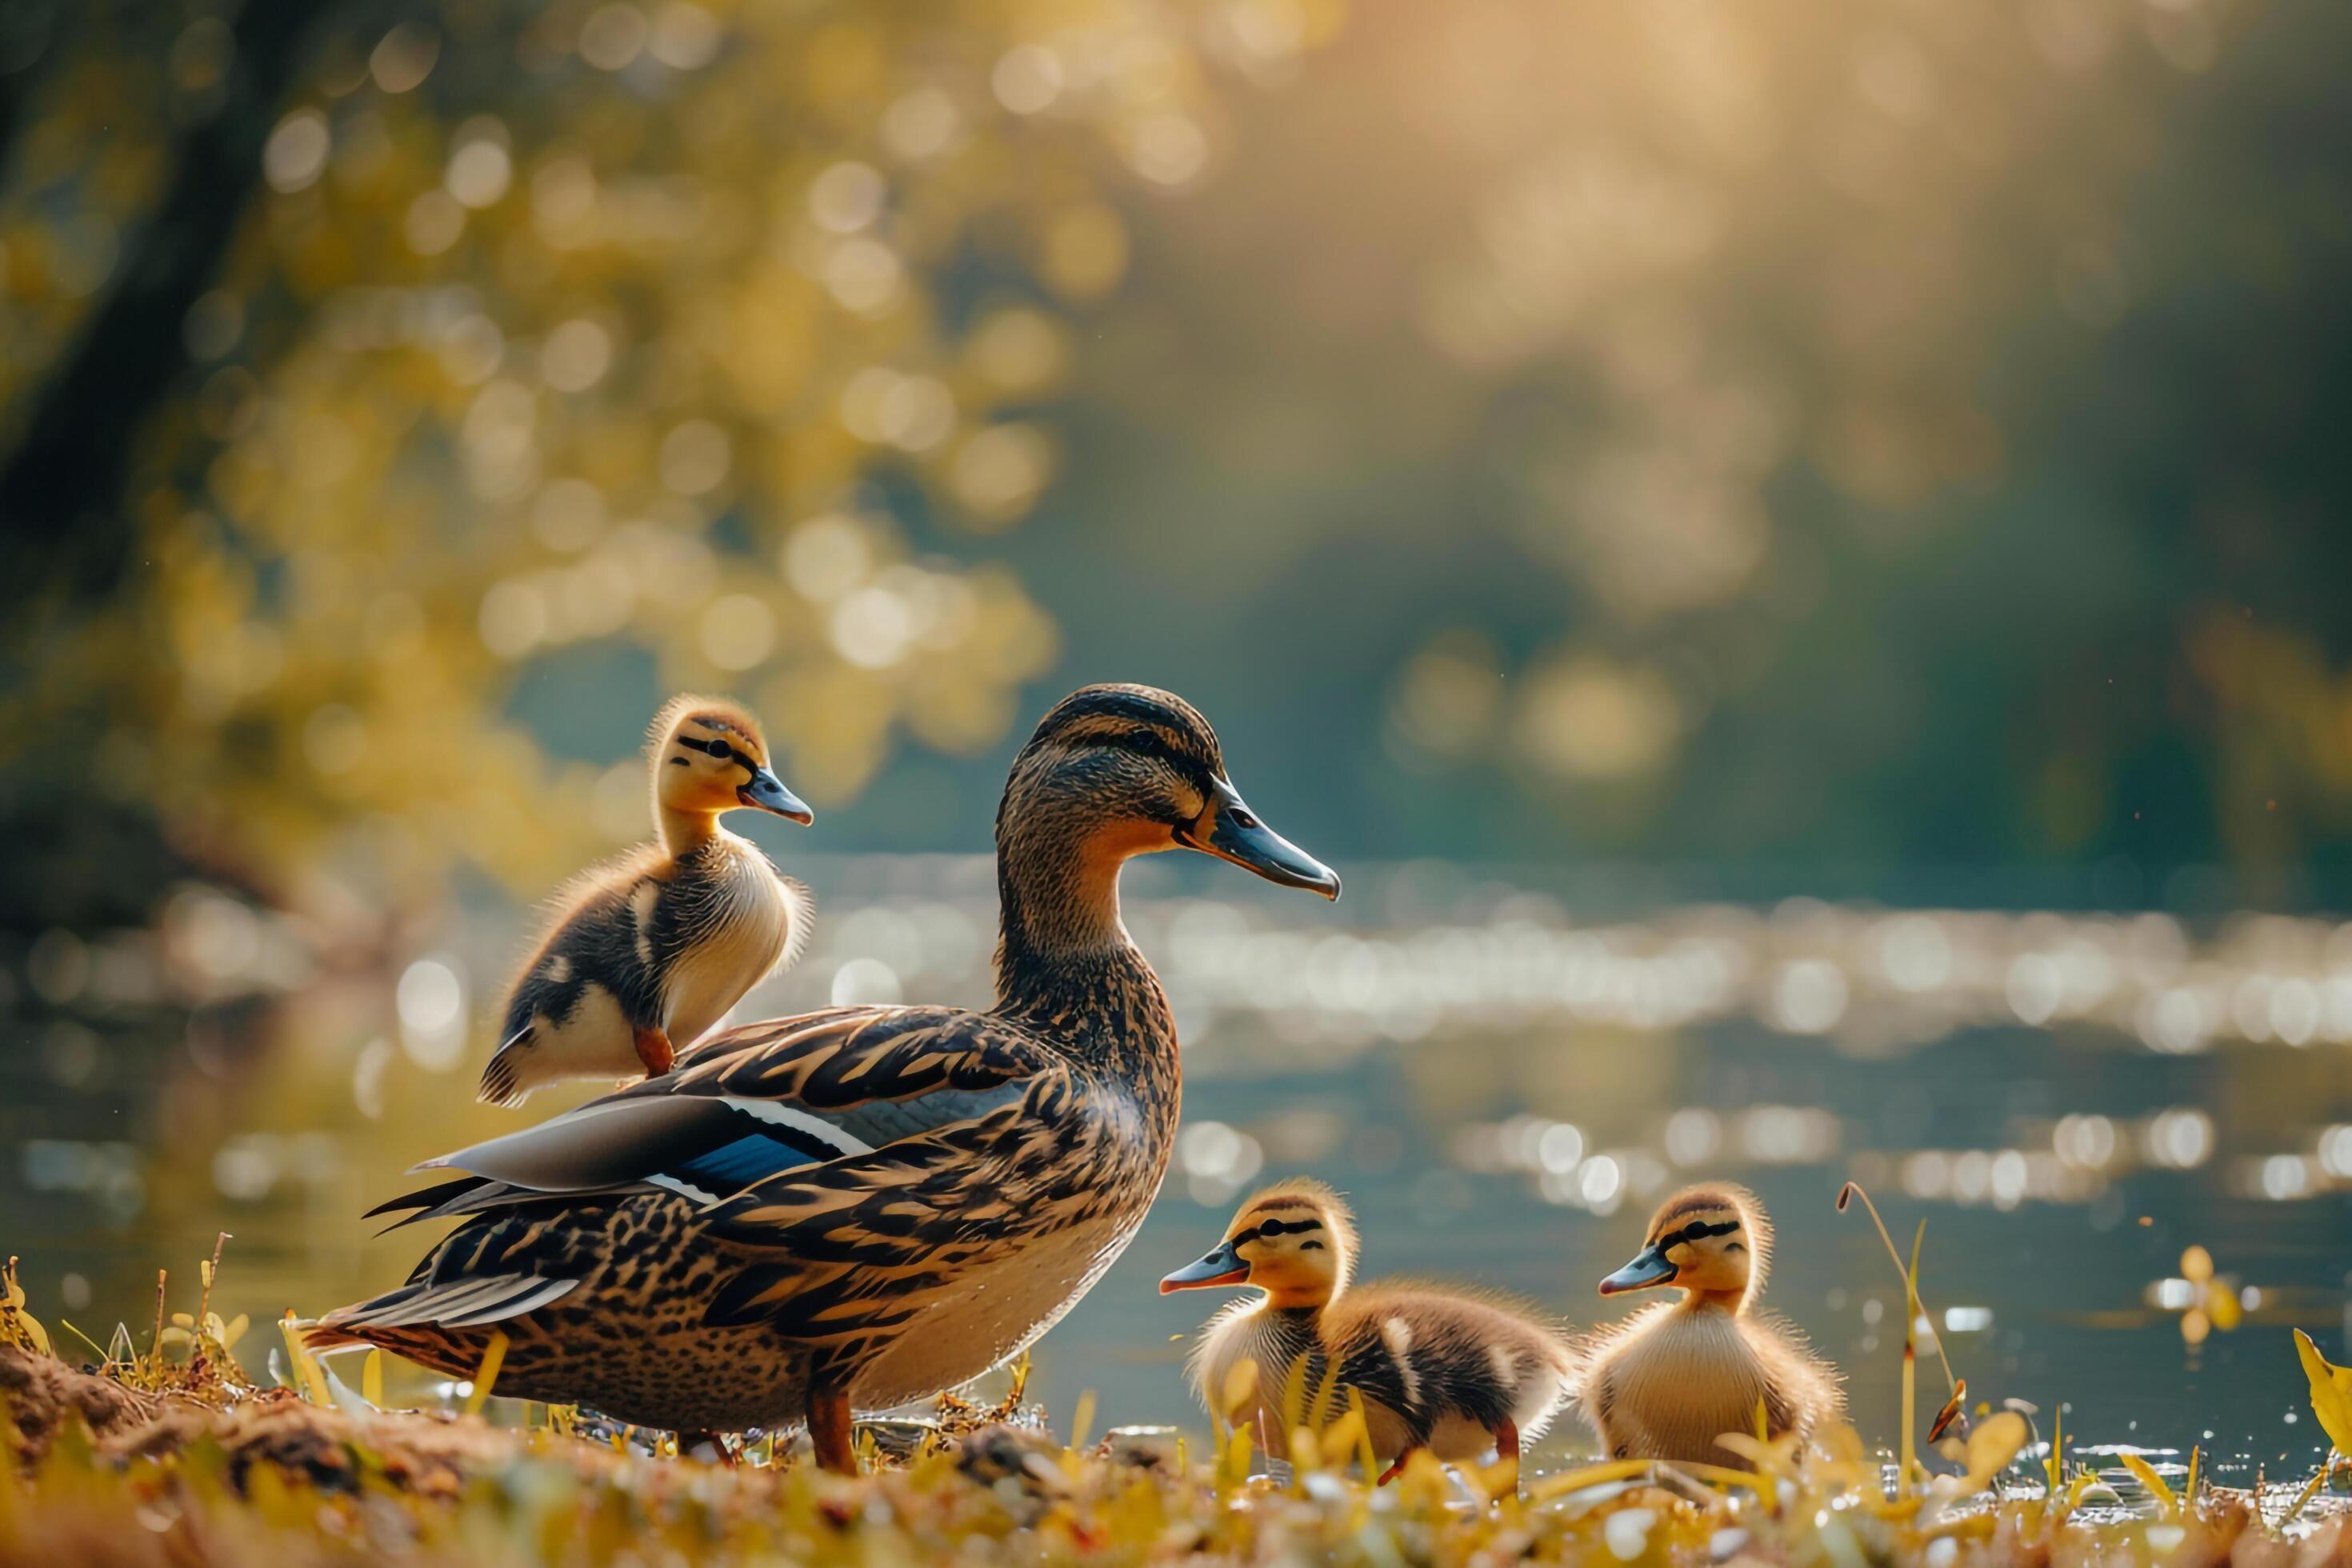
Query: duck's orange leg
829	1428
1507	1449
1393	1471
654	1050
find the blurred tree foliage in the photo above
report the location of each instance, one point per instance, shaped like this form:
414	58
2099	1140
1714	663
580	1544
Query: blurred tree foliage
1826	440
361	360
1811	443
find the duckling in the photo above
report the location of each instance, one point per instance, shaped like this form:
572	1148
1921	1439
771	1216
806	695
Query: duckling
1437	1368
1665	1383
649	951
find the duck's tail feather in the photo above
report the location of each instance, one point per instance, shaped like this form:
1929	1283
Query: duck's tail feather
466	1194
425	1201
501	1082
470	1302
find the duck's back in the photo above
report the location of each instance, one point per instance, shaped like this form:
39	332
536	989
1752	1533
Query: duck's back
589	975
1458	1365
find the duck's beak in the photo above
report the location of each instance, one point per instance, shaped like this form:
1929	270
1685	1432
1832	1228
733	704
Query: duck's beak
1649	1267
1223	1266
1230	830
766	791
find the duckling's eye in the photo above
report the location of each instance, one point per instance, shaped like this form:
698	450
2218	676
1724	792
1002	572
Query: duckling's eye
1310	1246
1735	1247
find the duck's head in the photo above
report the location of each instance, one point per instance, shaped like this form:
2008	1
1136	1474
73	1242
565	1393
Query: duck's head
1711	1241
1115	771
710	757
1295	1240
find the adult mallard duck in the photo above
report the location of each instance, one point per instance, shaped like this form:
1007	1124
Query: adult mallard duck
1436	1368
864	1205
1667	1381
654	948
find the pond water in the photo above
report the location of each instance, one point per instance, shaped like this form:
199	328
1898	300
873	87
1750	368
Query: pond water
2130	1136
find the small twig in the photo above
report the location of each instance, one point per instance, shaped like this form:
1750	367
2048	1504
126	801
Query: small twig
1852	1190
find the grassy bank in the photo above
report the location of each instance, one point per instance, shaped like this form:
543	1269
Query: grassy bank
103	1470
172	1454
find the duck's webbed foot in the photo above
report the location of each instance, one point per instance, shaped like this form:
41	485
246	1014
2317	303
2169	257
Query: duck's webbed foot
830	1427
654	1050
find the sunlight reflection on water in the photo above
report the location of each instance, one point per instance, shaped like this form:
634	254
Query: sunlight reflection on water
2081	1105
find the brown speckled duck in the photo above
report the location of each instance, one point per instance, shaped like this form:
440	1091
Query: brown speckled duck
648	951
1440	1368
864	1205
1670	1379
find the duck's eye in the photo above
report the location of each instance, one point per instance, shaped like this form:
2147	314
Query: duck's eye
1242	818
1310	1246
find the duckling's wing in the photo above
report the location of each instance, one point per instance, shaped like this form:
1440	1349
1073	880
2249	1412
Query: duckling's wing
750	1105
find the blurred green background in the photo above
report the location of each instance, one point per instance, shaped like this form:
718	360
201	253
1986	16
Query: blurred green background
1607	471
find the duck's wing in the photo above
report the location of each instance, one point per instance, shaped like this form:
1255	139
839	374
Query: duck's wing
747	1106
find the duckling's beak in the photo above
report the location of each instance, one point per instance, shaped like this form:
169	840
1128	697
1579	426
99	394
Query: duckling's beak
1649	1267
767	792
1230	830
1223	1266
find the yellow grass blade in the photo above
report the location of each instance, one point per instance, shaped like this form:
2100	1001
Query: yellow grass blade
2331	1391
2303	1498
1241	1386
1364	1455
486	1376
1910	1455
308	1377
1637	1469
372	1378
1083	1422
1294	1394
1343	1438
2156	1484
1846	1195
1320	1416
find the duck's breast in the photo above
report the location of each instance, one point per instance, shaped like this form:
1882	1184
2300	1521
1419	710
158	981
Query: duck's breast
1684	1383
738	920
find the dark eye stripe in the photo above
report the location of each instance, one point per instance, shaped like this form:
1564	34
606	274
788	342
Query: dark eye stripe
1267	1228
1697	1230
721	749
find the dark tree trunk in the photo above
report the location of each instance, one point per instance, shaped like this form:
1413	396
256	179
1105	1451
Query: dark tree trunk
64	524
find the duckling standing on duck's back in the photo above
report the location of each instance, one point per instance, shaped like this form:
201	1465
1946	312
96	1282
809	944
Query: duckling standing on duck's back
1437	1368
1667	1381
645	954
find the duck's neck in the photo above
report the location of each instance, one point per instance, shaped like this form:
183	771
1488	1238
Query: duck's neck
1303	1302
1063	956
684	832
1728	1303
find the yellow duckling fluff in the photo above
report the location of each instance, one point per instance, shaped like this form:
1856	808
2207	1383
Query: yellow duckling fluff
1667	1381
